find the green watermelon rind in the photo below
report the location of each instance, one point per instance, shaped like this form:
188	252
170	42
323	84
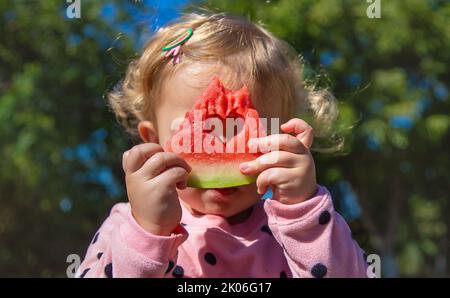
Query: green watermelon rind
219	182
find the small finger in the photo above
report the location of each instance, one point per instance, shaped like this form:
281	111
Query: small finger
303	131
295	126
137	156
281	159
161	161
277	142
171	176
306	137
269	177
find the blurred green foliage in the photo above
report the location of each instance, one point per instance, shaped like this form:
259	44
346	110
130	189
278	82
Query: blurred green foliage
54	73
61	147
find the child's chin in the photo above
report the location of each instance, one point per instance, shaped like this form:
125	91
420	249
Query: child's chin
224	202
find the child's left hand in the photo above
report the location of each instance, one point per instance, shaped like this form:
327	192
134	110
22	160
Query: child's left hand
291	170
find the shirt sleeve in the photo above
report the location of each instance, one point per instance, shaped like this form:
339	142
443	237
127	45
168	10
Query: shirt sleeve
316	240
122	248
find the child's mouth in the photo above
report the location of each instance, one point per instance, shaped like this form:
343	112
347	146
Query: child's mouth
225	191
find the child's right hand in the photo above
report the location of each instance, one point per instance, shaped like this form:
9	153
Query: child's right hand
152	177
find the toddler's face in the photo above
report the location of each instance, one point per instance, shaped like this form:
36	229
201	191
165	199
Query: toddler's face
177	96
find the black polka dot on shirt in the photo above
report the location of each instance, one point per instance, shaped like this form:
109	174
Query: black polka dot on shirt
99	255
95	238
210	258
319	270
283	274
324	217
266	229
109	270
84	272
178	271
170	267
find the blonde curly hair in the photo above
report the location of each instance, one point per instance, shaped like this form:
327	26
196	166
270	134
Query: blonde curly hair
269	67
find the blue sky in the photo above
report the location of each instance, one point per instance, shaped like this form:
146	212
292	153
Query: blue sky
147	17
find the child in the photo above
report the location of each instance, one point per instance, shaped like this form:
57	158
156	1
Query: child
170	230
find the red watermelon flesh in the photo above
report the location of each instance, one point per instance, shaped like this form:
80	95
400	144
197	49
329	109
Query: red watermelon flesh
215	151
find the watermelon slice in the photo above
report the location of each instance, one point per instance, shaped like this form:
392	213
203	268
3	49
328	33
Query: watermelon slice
213	137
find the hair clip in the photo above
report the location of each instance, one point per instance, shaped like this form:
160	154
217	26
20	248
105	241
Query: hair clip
173	48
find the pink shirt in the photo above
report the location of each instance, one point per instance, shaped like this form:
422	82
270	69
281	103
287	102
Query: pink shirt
308	239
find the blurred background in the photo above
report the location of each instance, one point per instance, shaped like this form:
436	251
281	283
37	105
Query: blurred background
60	168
